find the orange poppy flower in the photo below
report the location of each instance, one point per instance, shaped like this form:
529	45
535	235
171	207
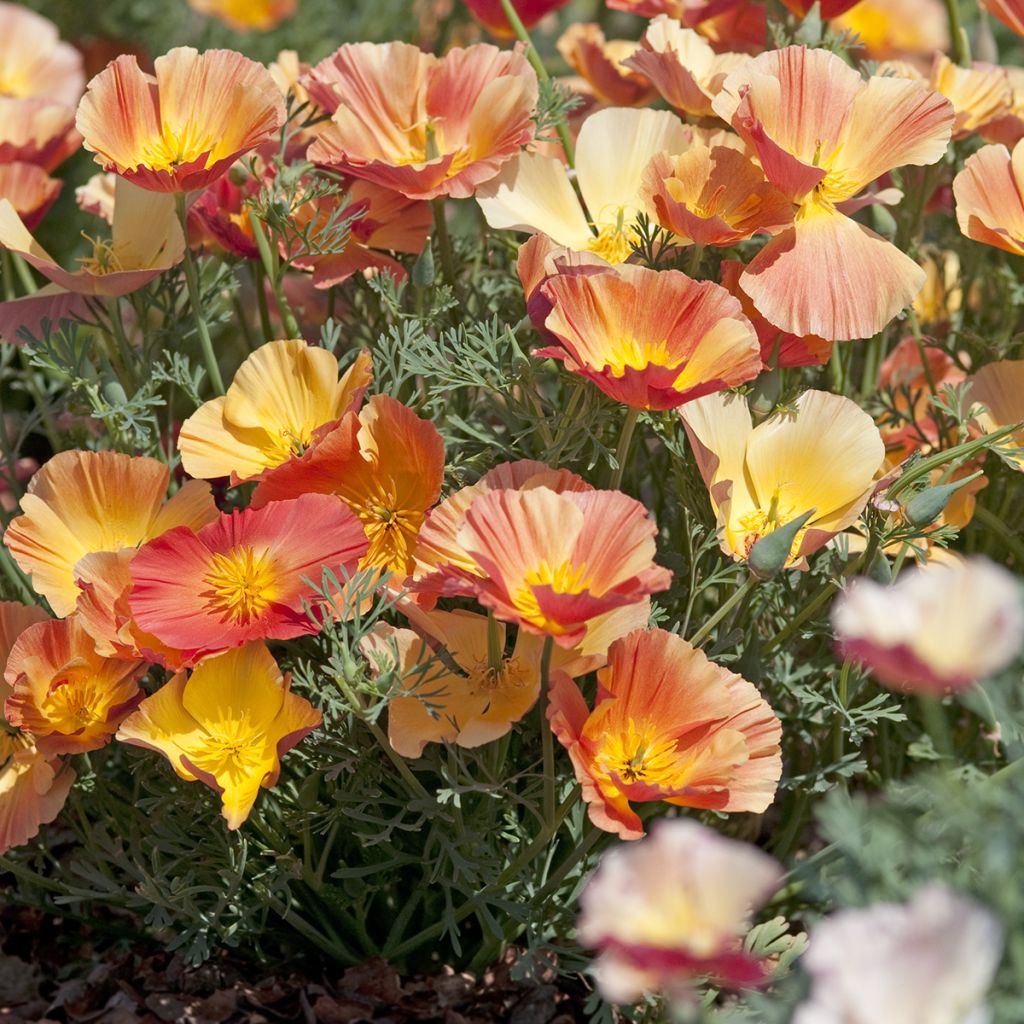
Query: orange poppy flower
552	562
682	65
184	128
15	618
988	191
999	387
650	339
81	502
65	695
829	8
244	576
33	789
29	190
387	465
602	65
422	125
226	725
37	131
668	725
828	275
714	196
34	61
491	14
1009	12
897	29
247	15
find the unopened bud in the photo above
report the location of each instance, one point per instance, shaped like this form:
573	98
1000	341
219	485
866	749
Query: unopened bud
769	555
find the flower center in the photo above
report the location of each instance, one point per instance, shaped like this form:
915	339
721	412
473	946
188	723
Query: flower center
763	521
172	148
563	579
637	355
70	706
242	583
104	258
640	754
615	238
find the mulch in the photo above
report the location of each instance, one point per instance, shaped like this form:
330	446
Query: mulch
56	970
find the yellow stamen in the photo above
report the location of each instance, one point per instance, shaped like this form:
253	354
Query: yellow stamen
241	583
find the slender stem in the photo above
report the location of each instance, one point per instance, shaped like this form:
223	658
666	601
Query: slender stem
259	281
195	300
444	241
625	439
542	73
24	274
739	594
124	350
935	722
547	737
695	260
988	518
961	45
272	266
18	579
843	697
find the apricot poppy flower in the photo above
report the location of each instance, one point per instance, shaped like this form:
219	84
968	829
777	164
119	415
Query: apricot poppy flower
280	398
422	125
988	194
682	66
668	725
37	131
601	63
33	789
183	128
81	502
1009	12
778	348
828	275
387	465
227	725
673	908
244	576
29	190
64	694
533	192
247	15
491	14
822	455
219	215
999	387
34	61
15	618
145	240
443	566
551	562
938	628
897	29
650	339
713	196
829	8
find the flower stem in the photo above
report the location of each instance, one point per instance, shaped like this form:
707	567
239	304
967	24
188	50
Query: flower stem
547	737
542	73
272	265
625	440
935	722
720	613
444	241
961	44
192	281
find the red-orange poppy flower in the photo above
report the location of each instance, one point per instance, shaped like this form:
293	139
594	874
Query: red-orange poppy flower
15	618
668	725
29	189
491	14
244	576
37	131
651	339
601	63
184	128
33	789
1009	12
422	125
64	694
714	196
247	15
828	8
386	464
552	562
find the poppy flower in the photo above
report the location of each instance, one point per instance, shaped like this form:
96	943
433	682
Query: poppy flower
551	562
81	502
822	455
246	576
64	694
533	192
422	125
674	908
1009	12
828	275
670	725
183	128
650	339
999	387
33	789
386	464
938	628
282	395
227	725
911	30
989	207
247	15
37	131
34	61
15	618
29	190
491	14
601	63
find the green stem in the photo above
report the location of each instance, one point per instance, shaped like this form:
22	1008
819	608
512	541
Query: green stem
24	274
444	241
542	73
195	300
695	260
988	518
272	265
738	595
259	280
18	579
124	350
547	737
625	440
935	722
843	697
961	45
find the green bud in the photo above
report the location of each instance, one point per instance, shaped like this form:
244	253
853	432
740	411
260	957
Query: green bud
810	31
114	393
423	268
769	555
926	506
879	570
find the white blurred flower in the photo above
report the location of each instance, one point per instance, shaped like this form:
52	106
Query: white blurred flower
674	906
938	628
929	961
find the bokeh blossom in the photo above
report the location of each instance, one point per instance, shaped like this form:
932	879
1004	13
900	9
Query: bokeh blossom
29	190
602	64
33	59
999	388
247	15
491	14
988	193
668	724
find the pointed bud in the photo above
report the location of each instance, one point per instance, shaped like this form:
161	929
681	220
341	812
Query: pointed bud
770	554
926	506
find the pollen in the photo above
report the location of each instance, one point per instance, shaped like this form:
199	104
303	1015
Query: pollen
563	579
241	583
640	754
